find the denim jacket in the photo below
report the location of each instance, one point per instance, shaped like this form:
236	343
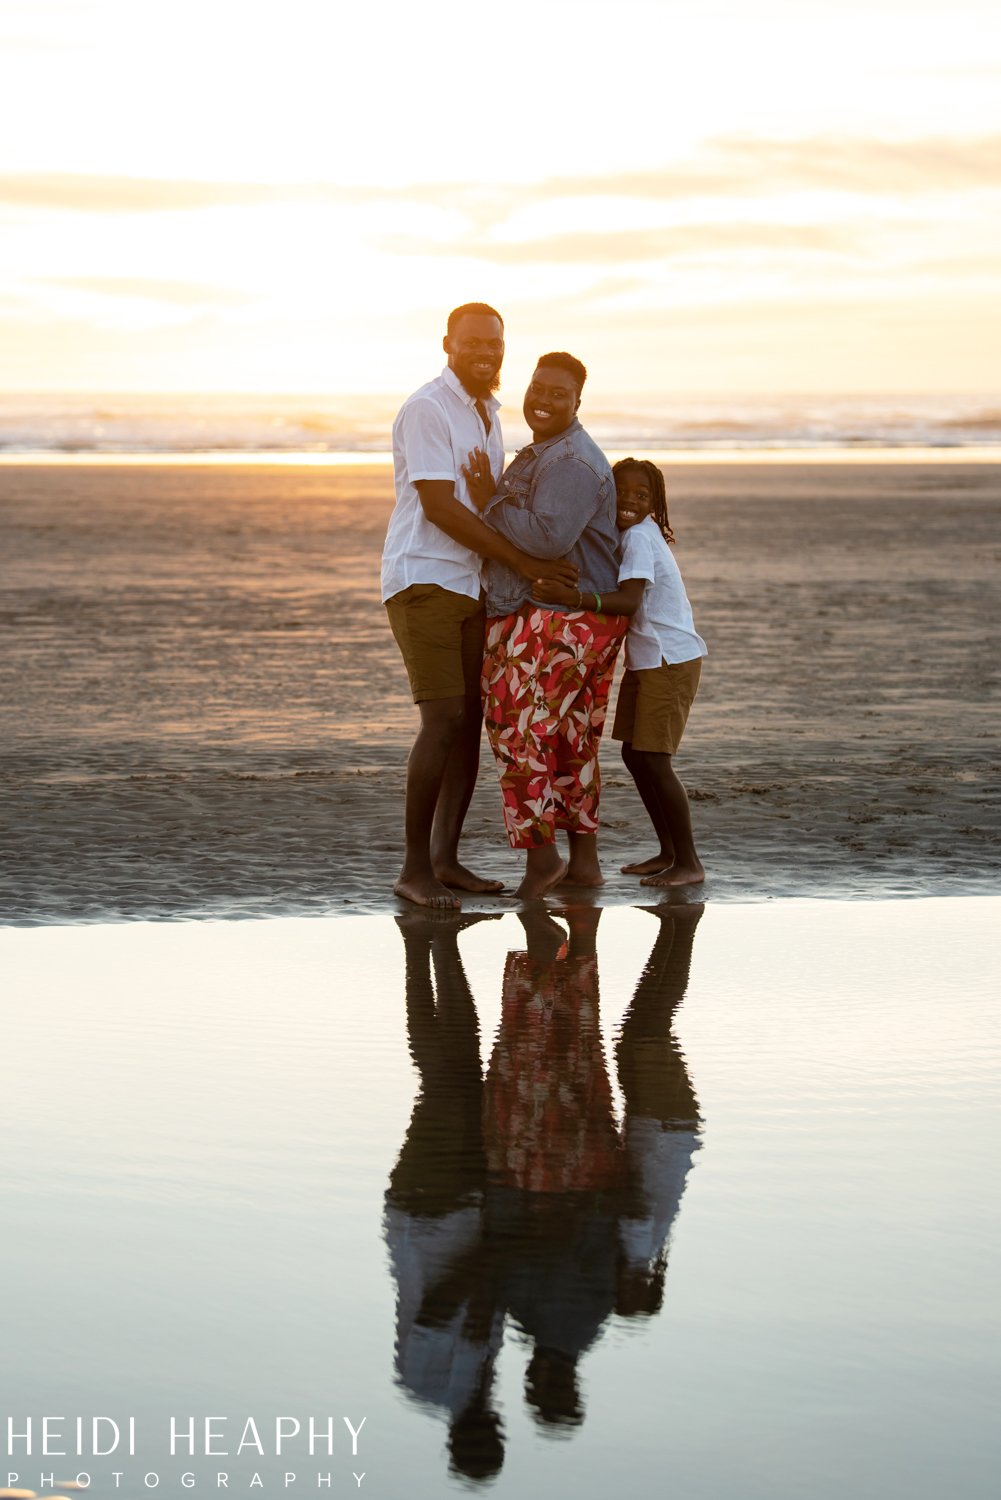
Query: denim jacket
555	499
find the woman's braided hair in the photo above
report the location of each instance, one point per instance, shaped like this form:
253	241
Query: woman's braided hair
658	489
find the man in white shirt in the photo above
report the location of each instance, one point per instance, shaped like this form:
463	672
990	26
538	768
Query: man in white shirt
431	588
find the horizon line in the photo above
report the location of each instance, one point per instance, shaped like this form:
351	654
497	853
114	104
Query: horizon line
721	393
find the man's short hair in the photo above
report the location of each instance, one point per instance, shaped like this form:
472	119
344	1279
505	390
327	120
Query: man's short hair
564	361
477	310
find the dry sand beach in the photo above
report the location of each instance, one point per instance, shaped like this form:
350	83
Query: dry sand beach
204	713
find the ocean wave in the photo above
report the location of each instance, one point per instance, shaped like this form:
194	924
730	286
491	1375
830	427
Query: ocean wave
110	424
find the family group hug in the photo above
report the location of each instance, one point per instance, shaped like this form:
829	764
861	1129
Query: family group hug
510	592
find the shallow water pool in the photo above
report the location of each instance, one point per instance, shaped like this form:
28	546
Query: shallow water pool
585	1203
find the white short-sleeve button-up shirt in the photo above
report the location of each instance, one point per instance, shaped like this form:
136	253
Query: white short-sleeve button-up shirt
434	431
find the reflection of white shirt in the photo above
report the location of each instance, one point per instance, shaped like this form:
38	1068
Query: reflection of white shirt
434	432
662	629
440	1364
659	1161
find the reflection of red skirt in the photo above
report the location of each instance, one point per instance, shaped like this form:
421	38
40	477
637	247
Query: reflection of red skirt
548	1125
546	678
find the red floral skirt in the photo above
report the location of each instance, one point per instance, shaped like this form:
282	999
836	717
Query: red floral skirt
546	679
548	1125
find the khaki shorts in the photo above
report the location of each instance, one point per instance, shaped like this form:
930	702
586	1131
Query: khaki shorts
653	706
441	637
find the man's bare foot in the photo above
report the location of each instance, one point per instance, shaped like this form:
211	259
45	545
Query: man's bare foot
426	890
458	878
652	866
689	874
544	868
585	879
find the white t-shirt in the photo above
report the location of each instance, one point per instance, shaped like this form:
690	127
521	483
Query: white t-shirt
659	1162
435	430
662	629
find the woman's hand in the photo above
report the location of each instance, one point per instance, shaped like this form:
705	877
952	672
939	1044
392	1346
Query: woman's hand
479	479
551	592
544	571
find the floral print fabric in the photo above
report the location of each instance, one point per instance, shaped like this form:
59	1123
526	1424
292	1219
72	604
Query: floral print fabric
546	679
547	1102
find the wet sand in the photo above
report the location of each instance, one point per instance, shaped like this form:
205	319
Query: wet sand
203	712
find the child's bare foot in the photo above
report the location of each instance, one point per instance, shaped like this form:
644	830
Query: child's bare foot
679	874
426	890
652	866
458	878
680	911
544	868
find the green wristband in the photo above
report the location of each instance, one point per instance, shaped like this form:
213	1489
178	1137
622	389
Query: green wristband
597	602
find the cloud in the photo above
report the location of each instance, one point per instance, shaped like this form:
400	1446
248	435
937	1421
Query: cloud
931	164
749	166
80	193
746	167
628	246
146	289
956	266
728	167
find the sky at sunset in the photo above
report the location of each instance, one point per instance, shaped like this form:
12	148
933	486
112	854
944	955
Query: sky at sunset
692	197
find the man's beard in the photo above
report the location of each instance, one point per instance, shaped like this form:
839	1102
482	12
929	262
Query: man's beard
484	387
479	388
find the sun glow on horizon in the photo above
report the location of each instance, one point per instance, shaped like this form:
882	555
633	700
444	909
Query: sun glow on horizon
225	198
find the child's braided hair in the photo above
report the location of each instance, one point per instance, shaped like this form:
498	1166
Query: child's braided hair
658	489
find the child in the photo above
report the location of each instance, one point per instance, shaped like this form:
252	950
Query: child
663	665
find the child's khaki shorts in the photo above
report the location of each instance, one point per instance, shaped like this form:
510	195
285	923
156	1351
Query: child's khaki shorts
441	637
653	705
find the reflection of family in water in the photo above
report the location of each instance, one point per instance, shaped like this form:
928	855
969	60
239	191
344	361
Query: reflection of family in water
516	1195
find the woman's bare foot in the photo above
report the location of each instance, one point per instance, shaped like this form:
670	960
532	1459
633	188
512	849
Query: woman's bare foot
426	890
544	868
583	868
687	874
458	878
652	866
545	938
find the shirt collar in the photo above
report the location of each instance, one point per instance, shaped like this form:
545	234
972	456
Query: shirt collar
545	443
455	384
